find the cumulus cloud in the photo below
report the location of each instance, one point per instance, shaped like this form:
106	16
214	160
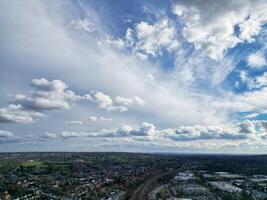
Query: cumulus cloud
246	133
104	101
256	60
6	134
8	137
247	126
120	132
184	133
149	38
94	118
147	129
129	101
165	103
77	55
16	114
210	25
69	134
48	135
47	95
152	38
240	131
258	128
55	95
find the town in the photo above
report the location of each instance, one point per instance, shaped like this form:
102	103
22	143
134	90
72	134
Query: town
118	176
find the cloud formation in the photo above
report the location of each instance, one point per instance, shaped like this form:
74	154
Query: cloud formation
174	64
94	118
211	25
6	134
8	137
47	95
68	134
246	130
16	114
55	95
74	122
129	101
256	60
255	82
83	24
48	136
149	39
104	101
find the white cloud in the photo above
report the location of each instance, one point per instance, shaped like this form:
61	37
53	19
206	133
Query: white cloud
135	100
68	134
141	56
121	132
254	82
248	101
119	43
246	130
74	122
8	137
6	134
47	95
150	77
247	126
105	119
147	129
83	24
15	114
93	118
261	80
80	55
104	101
49	135
85	65
149	39
252	101
256	60
152	38
51	95
210	25
187	133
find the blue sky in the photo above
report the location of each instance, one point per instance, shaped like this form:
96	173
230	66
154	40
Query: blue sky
141	76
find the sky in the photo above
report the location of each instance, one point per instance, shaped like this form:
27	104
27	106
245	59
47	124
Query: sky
181	76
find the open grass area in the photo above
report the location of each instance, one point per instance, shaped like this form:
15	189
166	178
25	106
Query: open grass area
32	163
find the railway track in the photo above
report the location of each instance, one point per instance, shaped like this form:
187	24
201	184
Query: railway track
141	193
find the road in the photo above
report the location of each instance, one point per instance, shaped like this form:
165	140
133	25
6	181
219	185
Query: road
141	193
